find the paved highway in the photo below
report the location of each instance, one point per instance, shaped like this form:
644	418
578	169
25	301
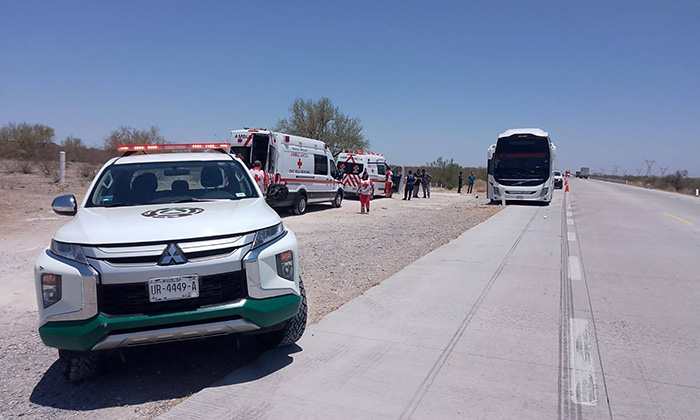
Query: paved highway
586	309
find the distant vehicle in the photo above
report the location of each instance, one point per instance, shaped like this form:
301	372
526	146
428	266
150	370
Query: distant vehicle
578	174
520	166
301	170
568	173
584	172
353	163
166	247
558	179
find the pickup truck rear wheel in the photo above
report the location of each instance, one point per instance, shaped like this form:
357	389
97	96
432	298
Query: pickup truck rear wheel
293	328
77	366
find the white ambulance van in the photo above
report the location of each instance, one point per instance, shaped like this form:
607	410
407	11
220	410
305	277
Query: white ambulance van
353	163
301	170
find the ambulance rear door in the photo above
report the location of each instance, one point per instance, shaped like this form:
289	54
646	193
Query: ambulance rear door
398	175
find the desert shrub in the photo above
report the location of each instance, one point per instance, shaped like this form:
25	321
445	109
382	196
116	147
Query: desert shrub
48	167
88	170
26	167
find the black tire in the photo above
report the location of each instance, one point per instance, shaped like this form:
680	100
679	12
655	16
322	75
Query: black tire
300	206
77	366
293	328
338	200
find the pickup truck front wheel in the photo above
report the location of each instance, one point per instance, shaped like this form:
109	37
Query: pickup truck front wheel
293	328
77	366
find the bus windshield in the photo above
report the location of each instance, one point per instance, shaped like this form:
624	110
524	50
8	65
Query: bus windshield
522	158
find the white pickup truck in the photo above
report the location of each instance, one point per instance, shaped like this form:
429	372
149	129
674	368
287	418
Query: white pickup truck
167	247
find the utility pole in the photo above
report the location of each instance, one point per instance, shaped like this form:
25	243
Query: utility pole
649	163
615	168
639	172
663	170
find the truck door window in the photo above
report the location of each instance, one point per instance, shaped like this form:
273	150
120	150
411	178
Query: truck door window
320	165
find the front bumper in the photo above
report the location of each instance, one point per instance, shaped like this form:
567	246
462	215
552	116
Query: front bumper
95	333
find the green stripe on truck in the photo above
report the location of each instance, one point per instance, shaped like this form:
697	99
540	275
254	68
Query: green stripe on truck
83	335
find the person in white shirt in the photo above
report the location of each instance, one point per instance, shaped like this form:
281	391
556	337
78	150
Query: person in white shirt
260	177
365	192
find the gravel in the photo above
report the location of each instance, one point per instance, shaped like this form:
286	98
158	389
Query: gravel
343	254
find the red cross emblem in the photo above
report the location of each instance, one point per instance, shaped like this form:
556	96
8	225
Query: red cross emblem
355	168
299	163
257	178
342	166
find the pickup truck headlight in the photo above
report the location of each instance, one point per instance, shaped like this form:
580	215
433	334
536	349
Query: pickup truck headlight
50	288
68	251
266	235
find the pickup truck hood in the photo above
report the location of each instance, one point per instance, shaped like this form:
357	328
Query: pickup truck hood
166	222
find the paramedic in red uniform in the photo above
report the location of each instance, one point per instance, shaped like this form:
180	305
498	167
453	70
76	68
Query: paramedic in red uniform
260	177
365	191
387	184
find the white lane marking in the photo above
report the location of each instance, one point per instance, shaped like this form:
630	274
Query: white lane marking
34	219
572	236
574	268
569	221
582	384
569	214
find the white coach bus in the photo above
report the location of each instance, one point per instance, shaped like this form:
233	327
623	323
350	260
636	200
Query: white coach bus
521	166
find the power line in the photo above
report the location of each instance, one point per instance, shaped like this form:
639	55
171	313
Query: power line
663	170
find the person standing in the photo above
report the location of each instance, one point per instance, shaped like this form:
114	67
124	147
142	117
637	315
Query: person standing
471	182
365	192
460	182
416	184
425	179
408	188
260	177
388	182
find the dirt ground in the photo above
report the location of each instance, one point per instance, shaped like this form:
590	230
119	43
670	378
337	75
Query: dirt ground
343	253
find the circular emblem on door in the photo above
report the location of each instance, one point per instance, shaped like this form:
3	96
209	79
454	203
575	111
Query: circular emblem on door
172	212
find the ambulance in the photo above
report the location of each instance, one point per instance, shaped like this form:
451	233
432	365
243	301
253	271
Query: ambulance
301	171
353	163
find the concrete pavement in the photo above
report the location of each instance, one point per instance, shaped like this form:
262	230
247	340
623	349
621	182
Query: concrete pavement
590	312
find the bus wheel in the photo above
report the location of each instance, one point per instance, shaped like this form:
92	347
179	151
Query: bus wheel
300	206
338	200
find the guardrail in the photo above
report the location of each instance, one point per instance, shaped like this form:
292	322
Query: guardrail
616	181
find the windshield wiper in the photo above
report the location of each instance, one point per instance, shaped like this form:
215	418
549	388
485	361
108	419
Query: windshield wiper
191	200
117	204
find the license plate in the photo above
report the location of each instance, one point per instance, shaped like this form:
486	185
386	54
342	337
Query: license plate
173	288
520	197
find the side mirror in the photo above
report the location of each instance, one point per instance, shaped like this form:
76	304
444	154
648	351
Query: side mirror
65	205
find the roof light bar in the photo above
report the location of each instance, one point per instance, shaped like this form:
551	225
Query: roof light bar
181	146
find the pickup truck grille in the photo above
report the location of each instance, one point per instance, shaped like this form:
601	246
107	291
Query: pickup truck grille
132	298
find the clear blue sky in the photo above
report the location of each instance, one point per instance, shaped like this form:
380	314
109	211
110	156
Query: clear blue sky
612	82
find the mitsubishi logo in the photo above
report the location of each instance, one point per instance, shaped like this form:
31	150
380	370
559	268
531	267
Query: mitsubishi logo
173	255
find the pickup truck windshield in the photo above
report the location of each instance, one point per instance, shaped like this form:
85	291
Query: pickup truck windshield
171	182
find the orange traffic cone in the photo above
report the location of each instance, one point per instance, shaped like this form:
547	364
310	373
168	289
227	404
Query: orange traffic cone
567	187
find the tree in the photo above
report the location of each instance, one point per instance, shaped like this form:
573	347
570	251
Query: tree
444	172
31	140
130	135
74	148
323	121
